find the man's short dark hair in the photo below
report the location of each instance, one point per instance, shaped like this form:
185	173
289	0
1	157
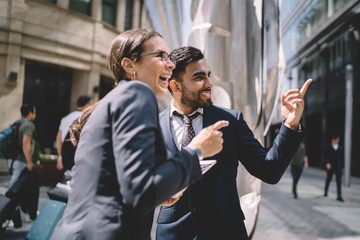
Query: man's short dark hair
182	57
27	108
83	100
335	136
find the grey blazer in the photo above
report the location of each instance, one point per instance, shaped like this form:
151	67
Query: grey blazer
121	170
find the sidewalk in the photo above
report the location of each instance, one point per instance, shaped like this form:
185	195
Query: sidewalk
310	217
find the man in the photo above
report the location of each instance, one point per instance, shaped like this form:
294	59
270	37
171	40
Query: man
299	161
210	208
26	141
23	160
66	163
334	160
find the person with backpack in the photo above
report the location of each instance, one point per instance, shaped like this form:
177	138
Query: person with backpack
65	149
25	143
18	149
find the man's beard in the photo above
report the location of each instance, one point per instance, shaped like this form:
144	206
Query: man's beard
193	100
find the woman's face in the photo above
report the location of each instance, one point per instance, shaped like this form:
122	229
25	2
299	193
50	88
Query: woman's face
153	69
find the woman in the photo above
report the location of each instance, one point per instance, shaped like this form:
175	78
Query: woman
121	172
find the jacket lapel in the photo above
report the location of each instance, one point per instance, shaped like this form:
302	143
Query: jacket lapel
166	130
207	117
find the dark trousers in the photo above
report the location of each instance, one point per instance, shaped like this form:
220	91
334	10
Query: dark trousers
329	175
296	173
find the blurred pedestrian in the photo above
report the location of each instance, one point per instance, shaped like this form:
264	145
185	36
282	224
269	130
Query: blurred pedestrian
121	170
26	141
23	187
334	163
298	162
66	156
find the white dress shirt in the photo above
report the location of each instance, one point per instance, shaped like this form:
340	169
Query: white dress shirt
335	146
66	122
177	125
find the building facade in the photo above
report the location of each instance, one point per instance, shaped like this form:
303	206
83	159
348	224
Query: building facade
321	41
52	51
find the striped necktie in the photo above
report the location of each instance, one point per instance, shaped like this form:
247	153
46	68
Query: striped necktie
189	132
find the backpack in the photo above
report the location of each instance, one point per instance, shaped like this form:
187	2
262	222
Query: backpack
9	148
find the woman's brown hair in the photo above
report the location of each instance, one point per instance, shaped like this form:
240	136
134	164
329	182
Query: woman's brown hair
129	44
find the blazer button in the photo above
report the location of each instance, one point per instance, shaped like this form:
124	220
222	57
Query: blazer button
195	209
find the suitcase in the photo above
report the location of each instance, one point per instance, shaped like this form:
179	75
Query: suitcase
45	223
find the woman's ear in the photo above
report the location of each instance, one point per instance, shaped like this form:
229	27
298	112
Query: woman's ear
175	86
128	66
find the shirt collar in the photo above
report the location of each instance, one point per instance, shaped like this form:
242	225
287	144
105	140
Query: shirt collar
173	108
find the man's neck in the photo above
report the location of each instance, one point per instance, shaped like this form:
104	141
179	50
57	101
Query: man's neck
183	108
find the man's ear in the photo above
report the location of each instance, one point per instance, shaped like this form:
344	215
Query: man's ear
128	66
175	86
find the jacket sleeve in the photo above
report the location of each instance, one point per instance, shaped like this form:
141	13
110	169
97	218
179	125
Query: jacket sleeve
267	166
146	178
326	155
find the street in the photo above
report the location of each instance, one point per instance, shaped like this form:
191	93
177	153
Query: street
281	217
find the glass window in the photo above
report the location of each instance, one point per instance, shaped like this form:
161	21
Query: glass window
141	12
50	1
109	11
314	65
129	14
81	6
339	55
286	7
48	87
106	85
339	3
307	21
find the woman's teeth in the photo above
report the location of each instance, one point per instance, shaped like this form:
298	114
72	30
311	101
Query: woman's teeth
164	77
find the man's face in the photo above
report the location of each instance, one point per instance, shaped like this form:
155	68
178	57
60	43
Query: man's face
196	86
336	140
33	114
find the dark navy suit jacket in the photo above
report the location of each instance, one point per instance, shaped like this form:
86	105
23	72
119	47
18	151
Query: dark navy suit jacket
121	170
335	157
210	208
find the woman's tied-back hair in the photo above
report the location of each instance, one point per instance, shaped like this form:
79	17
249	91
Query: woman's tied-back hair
182	56
129	44
76	127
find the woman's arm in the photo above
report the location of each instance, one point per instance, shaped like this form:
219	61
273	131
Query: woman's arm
145	176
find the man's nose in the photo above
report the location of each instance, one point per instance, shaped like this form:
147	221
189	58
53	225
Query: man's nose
208	83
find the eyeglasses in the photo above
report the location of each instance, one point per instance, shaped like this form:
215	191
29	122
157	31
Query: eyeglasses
161	54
